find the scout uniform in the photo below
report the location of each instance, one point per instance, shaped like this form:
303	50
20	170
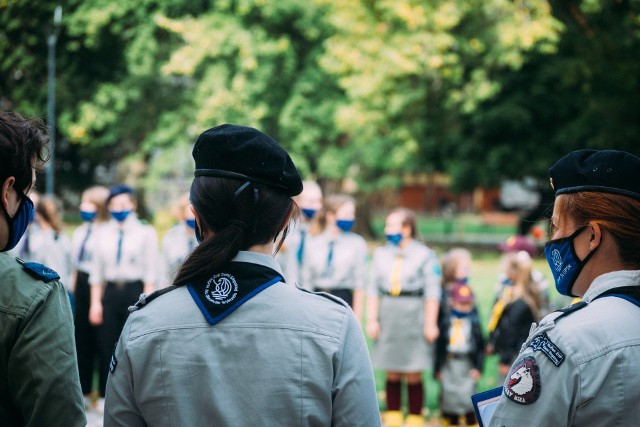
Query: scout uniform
403	279
236	346
284	357
292	259
459	349
579	366
335	264
38	372
83	247
124	261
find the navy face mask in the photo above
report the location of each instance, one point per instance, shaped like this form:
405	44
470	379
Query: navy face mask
87	216
309	213
20	221
564	263
345	224
120	215
394	239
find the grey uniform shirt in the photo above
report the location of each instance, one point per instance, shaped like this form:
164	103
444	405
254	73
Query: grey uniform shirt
335	261
286	357
84	245
138	253
417	269
595	380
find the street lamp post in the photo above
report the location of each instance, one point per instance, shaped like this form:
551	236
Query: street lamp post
51	98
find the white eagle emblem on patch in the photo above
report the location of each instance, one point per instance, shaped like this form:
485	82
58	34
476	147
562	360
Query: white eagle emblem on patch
222	288
523	383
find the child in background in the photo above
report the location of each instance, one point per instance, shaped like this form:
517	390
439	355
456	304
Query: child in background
460	346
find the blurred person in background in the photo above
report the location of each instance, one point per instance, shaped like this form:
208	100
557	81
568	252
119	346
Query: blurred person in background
521	309
124	265
291	255
460	345
178	242
403	299
84	244
335	261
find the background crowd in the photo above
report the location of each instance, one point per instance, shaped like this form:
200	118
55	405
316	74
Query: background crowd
418	310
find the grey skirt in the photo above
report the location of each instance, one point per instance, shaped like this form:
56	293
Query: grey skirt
457	387
401	346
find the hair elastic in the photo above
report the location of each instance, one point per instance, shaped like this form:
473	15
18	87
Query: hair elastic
238	223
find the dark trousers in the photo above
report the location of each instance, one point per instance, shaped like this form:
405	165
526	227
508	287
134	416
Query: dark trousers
86	334
345	294
115	304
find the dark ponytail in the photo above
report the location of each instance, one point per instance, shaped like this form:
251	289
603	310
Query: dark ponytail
234	216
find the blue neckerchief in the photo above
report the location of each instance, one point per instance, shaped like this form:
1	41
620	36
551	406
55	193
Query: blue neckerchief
225	291
629	293
460	314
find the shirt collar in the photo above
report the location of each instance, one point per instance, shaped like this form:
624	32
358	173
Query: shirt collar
258	258
614	279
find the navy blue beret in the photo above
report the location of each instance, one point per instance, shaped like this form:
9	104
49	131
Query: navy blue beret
118	189
245	153
603	171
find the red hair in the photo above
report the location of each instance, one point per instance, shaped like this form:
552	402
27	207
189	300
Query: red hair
619	215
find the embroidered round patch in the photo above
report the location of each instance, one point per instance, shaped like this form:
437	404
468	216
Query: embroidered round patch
523	382
221	289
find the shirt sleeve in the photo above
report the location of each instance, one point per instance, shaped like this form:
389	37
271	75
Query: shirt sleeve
375	281
361	265
558	393
354	390
42	366
432	277
120	407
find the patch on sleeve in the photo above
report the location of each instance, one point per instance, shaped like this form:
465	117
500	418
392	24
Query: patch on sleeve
113	363
544	344
523	382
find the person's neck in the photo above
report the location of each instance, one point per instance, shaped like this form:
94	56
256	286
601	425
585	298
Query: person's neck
405	242
605	260
266	249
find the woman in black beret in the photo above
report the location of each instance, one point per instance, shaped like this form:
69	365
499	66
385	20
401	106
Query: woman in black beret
579	367
229	344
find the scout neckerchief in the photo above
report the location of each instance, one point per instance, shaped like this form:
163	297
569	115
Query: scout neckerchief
219	295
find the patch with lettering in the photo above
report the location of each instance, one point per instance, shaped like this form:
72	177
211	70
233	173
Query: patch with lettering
523	382
113	363
544	344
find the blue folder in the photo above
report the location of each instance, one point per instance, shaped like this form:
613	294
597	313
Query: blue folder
485	403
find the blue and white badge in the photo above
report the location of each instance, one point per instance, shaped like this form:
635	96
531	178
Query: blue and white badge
544	344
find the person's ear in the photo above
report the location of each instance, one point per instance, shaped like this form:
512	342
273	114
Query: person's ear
596	236
6	185
197	217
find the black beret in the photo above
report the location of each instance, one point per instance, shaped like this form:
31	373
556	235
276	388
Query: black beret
118	189
245	153
603	171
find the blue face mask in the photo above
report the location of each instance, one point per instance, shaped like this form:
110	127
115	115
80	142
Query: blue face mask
120	215
345	224
309	213
20	221
565	264
394	239
88	216
191	223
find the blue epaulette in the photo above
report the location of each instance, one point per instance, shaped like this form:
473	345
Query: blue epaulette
39	271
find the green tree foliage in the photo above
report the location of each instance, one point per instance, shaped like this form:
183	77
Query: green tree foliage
367	90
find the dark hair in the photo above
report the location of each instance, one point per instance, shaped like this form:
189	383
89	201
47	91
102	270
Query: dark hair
23	145
236	215
616	213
